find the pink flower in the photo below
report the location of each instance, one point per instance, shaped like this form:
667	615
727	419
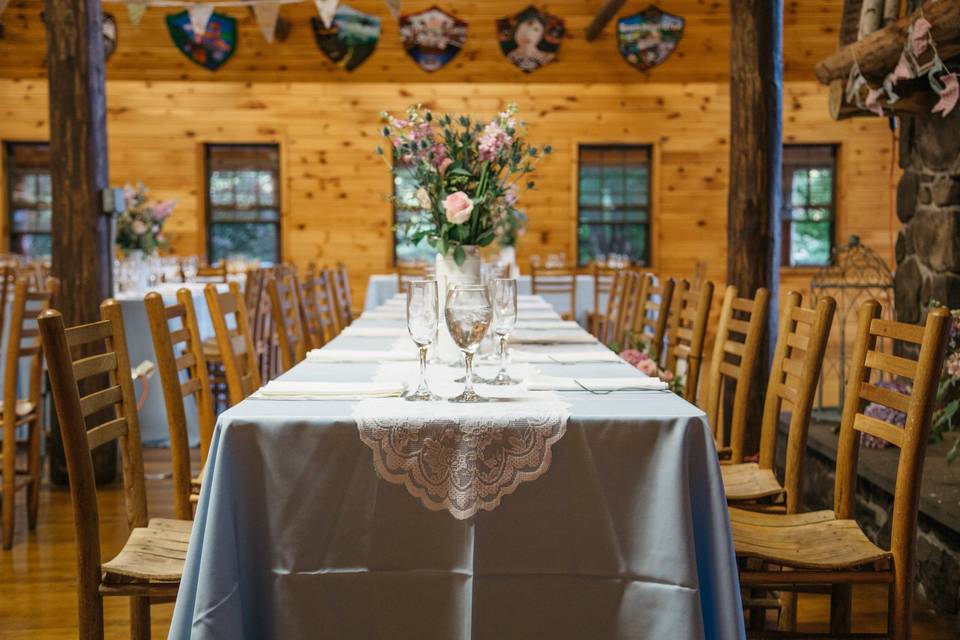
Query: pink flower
444	165
953	365
493	139
633	357
139	227
647	367
162	210
458	206
665	375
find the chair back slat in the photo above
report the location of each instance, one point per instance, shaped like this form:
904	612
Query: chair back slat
604	279
690	311
285	305
235	342
106	432
653	310
556	281
735	364
608	323
316	310
182	366
342	300
407	272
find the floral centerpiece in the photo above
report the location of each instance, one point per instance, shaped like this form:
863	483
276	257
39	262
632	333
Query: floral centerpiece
140	226
469	172
647	365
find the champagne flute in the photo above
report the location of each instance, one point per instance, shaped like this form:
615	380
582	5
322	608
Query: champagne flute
504	302
422	321
468	314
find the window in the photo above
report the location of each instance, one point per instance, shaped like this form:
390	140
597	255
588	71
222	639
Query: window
405	209
243	202
613	212
809	202
28	197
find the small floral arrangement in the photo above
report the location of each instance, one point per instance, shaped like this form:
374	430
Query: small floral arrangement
948	391
140	226
470	173
648	366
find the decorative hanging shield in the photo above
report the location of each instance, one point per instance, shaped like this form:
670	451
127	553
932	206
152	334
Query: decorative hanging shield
432	37
215	45
109	30
648	38
350	40
531	38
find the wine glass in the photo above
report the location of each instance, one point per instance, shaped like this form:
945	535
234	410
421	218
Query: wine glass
504	302
468	314
422	321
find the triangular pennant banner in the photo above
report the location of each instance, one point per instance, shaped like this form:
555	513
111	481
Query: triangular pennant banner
199	17
135	10
3	5
327	10
267	14
393	6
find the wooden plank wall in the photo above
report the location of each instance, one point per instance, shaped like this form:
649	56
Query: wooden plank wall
162	109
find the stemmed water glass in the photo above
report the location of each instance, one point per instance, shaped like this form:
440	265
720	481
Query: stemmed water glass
468	314
422	321
504	301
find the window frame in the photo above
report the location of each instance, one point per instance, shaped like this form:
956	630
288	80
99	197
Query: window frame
786	189
394	210
651	151
208	205
9	188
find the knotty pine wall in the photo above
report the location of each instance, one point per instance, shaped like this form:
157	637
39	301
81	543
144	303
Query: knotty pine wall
162	109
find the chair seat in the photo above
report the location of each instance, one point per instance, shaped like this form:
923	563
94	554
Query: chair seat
23	407
815	540
747	481
154	553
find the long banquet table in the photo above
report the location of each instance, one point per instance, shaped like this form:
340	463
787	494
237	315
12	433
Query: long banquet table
624	534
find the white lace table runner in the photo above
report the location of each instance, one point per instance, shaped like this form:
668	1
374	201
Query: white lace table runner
461	457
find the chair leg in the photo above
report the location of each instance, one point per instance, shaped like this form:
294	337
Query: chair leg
788	611
902	605
840	599
140	618
33	467
9	486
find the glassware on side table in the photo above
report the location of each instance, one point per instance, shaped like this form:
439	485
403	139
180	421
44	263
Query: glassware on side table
468	314
504	301
422	320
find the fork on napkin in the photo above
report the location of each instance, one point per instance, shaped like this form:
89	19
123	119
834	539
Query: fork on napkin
292	390
633	383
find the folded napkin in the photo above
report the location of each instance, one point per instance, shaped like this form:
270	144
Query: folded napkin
551	337
374	332
290	390
385	314
633	383
547	324
565	357
355	355
525	315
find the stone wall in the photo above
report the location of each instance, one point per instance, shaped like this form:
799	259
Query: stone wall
928	205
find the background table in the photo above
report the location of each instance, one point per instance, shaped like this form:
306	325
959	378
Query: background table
625	536
382	287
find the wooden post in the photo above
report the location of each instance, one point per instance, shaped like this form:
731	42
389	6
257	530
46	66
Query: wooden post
82	251
753	253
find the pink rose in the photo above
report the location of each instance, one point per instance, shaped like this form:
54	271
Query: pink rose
139	227
665	375
648	367
458	207
633	357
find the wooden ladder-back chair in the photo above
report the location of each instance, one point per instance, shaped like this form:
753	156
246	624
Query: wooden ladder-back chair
342	300
148	567
23	342
316	311
736	351
234	342
633	282
407	272
285	303
686	333
604	279
263	332
214	273
8	279
797	361
555	281
183	374
828	548
653	311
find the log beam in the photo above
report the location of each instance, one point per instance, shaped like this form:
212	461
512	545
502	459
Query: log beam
877	54
753	206
604	16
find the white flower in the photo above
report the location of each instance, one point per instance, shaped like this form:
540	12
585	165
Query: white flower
423	198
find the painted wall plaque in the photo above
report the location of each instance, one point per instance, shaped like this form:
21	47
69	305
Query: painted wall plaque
531	38
648	38
432	37
350	39
216	45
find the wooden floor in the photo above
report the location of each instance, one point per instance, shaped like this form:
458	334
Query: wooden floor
37	597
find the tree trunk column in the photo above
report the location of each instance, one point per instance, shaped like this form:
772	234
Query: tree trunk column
82	251
753	256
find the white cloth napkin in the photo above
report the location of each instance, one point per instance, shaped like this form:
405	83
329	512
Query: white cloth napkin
374	332
385	314
565	357
291	390
537	315
355	355
633	383
552	337
540	325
